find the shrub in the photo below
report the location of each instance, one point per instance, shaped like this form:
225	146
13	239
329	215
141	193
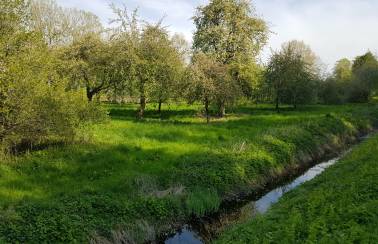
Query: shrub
36	107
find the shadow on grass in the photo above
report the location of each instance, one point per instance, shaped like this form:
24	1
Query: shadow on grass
130	113
74	170
74	191
218	132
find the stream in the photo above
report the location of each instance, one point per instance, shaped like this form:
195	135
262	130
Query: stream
204	230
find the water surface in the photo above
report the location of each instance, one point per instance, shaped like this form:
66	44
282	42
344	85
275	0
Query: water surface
203	232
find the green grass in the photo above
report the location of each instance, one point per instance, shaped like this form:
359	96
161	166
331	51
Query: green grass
339	206
135	178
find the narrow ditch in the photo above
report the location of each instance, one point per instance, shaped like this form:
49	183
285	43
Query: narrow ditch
205	229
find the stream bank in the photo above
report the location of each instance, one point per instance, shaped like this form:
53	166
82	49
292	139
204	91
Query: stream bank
338	206
246	206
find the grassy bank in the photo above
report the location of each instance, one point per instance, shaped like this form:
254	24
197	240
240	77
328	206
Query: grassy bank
135	178
340	206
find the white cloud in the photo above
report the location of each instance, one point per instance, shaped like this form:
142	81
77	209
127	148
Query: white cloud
333	28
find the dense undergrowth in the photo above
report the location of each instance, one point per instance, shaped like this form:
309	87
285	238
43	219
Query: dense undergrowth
340	206
136	178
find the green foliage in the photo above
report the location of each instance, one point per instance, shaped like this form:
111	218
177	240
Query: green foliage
335	89
152	62
292	74
91	63
202	201
365	78
165	62
229	32
60	26
343	70
36	107
340	206
137	177
13	14
332	91
209	82
355	82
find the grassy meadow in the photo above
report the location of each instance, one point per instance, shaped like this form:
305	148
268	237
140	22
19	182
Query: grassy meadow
339	206
133	179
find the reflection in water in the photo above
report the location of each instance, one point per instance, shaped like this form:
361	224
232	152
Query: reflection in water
203	231
185	236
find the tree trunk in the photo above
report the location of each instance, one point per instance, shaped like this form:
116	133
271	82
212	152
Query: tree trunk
90	94
207	110
142	107
142	101
221	109
159	108
278	101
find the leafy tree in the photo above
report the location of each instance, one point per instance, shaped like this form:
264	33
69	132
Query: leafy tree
164	62
153	62
230	31
86	56
249	76
36	106
304	51
147	67
365	78
49	19
92	64
60	25
125	37
12	16
292	74
343	70
182	46
208	80
334	89
366	60
129	38
278	73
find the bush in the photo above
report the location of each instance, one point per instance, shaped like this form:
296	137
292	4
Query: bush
36	107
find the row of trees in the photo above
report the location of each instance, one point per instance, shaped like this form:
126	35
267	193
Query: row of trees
55	61
141	60
137	60
294	76
355	81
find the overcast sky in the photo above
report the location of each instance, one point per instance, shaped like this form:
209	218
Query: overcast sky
333	28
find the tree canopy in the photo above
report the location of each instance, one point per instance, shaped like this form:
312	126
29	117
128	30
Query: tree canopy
292	74
57	63
36	105
230	32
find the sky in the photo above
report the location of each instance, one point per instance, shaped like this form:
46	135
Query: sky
333	28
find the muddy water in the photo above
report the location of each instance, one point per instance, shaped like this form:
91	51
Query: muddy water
204	230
